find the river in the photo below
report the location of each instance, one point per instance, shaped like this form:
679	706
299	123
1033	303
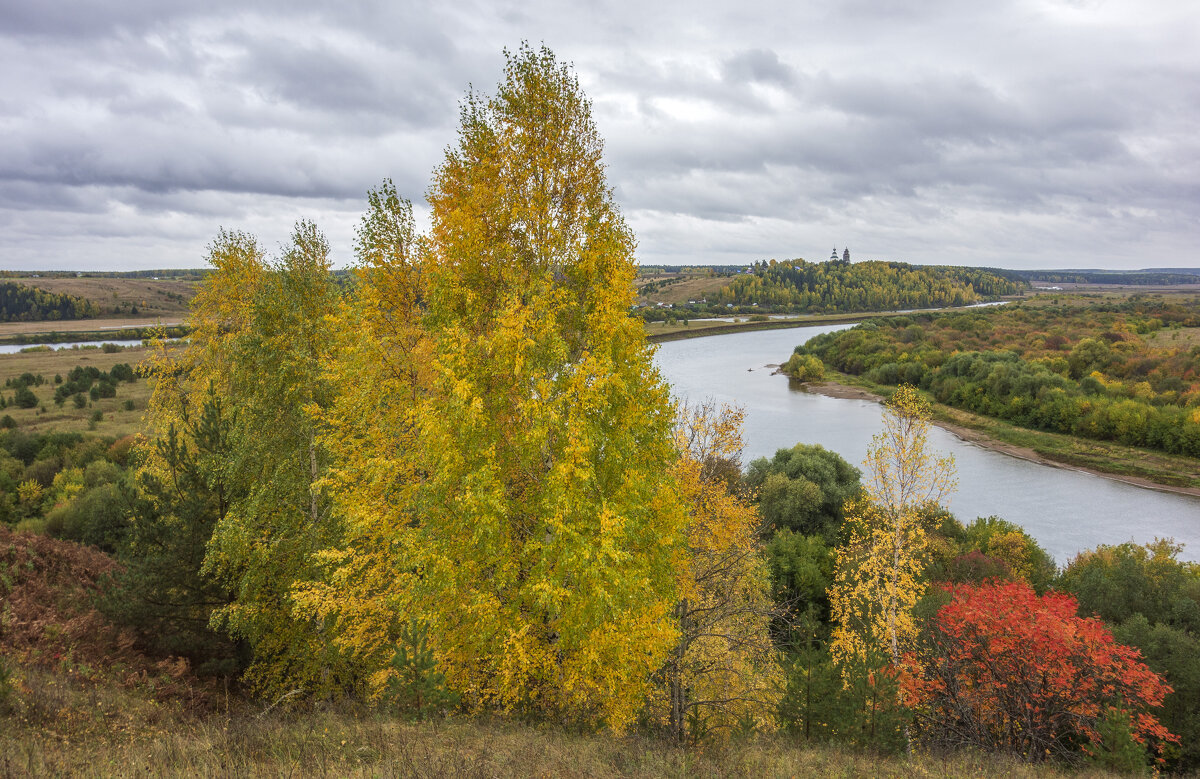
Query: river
17	348
1066	511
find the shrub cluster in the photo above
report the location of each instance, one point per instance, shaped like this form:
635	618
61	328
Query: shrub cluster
1091	372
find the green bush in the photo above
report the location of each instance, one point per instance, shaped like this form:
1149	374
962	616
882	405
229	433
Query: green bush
803	489
805	367
1008	542
100	472
98	517
24	397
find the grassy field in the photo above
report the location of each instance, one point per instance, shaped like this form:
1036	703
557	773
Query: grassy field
60	728
117	420
1181	337
679	289
152	298
1108	294
700	328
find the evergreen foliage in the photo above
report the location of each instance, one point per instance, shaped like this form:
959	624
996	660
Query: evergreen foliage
19	303
161	591
417	689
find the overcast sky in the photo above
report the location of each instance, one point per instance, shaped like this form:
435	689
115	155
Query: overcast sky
1015	133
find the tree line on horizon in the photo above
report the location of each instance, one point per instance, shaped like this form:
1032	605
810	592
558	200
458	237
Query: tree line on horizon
22	303
796	286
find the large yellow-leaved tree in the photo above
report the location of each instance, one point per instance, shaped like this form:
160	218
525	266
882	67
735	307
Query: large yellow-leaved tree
469	444
503	440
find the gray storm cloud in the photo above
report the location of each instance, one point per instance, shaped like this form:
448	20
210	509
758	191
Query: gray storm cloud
1020	134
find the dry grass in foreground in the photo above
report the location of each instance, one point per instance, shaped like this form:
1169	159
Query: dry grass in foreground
80	699
144	739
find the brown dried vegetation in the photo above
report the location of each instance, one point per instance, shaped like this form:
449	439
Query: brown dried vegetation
49	623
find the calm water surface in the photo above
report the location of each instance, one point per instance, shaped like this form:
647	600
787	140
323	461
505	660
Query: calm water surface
1066	511
15	348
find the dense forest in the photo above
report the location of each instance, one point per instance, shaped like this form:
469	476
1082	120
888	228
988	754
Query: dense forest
1148	277
19	303
1110	370
835	286
452	484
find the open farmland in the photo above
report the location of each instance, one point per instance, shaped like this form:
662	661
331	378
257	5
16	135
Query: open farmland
678	288
132	297
24	329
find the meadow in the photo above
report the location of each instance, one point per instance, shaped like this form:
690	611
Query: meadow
113	417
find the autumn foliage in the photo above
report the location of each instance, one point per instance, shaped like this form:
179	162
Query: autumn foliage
881	568
1013	672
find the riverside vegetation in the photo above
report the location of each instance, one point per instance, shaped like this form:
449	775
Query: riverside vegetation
456	490
1120	370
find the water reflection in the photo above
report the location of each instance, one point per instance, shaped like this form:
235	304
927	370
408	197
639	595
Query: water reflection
1067	511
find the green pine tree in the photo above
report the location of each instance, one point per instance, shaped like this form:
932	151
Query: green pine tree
417	690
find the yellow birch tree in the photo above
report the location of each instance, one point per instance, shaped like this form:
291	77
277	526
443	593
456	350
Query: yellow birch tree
549	526
503	441
879	575
724	672
379	368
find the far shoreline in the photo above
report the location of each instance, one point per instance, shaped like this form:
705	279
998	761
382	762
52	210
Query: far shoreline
835	389
711	327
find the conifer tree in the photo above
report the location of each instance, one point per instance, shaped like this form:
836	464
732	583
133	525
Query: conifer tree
160	591
417	688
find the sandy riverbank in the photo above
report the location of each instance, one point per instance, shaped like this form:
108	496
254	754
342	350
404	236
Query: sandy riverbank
835	390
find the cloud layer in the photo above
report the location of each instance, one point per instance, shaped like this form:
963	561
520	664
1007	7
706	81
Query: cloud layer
1019	134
